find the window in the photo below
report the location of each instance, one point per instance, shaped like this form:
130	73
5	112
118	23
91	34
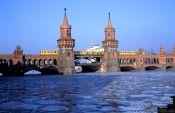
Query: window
68	34
108	34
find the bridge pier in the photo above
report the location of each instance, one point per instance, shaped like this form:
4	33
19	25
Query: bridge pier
163	68
142	68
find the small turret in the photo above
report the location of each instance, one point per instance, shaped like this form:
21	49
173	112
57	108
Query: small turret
162	50
174	49
18	52
141	51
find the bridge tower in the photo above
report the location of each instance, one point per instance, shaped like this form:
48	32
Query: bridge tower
110	45
66	44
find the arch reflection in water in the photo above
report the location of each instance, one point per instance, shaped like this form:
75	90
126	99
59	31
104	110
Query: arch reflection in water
149	68
32	72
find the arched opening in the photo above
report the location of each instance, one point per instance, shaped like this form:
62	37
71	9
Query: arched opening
50	62
32	72
169	68
41	62
36	62
55	62
127	68
152	68
85	61
87	64
10	63
46	62
30	62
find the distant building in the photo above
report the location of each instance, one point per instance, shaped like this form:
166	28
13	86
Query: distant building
95	48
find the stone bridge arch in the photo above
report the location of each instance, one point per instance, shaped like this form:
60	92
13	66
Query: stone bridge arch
44	70
151	61
7	62
90	59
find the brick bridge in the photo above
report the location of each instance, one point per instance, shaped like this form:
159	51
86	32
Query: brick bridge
19	63
110	60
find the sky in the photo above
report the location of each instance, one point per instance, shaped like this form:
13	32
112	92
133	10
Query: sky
35	24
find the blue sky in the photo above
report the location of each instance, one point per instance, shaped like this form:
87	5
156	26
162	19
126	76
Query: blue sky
35	24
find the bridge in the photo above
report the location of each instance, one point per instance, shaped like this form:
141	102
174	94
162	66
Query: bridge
19	63
65	60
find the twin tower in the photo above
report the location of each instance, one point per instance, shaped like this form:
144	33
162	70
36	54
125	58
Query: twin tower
66	44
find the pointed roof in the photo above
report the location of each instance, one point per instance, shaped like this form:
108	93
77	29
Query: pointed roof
65	21
109	22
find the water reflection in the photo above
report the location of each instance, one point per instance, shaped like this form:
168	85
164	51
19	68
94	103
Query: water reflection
32	72
93	93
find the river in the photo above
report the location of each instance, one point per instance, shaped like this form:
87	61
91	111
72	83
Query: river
123	92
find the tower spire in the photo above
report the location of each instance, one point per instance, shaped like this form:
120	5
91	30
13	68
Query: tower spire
64	11
162	50
109	21
109	15
65	21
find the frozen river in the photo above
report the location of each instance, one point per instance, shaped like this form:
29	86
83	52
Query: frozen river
124	92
